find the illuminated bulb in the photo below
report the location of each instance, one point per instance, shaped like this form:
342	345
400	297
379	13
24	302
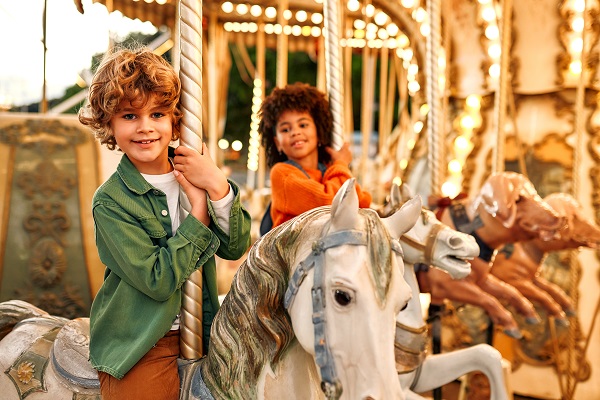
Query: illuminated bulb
473	101
370	10
494	71
494	51
270	12
425	30
359	24
577	24
403	163
301	16
424	109
414	87
576	45
579	6
454	167
575	67
488	14
255	11
418	127
380	18
449	189
353	5
316	18
227	7
461	143
492	32
237	145
241	9
223	144
287	15
410	144
419	15
397	181
408	3
466	122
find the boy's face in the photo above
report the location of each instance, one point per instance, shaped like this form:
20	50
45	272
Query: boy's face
144	134
296	136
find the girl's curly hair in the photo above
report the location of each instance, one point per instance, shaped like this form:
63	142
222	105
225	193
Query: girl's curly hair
295	97
133	75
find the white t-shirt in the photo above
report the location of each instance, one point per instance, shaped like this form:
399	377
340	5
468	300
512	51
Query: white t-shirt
179	208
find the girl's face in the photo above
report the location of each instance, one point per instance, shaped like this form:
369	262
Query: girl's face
144	134
296	136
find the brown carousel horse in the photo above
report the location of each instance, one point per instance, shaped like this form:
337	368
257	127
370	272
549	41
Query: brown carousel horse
520	264
507	209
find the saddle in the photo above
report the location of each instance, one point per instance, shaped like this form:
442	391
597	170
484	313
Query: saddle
70	354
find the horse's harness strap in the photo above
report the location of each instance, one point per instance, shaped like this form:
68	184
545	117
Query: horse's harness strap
318	248
429	246
329	382
459	216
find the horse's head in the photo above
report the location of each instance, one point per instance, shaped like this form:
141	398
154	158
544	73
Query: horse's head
511	199
345	291
578	230
432	242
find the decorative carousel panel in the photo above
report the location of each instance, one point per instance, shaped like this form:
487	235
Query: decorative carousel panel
47	254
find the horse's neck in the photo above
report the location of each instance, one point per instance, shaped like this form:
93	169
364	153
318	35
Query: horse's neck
412	315
532	251
294	377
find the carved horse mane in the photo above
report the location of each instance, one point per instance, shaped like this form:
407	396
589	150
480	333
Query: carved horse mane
254	303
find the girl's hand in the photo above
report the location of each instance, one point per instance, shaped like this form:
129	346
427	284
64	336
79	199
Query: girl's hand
201	171
344	154
197	198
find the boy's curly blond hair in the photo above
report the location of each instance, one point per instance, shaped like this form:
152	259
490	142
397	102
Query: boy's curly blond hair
134	75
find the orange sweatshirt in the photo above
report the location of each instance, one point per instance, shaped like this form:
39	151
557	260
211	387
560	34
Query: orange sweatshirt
292	193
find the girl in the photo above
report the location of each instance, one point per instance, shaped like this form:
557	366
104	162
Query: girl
296	127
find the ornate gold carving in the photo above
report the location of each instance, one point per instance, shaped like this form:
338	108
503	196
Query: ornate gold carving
48	219
47	264
25	371
46	179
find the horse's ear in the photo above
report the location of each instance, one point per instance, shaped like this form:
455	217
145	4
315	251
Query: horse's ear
407	192
344	208
395	196
405	218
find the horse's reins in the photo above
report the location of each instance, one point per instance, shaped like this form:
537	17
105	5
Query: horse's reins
428	247
330	383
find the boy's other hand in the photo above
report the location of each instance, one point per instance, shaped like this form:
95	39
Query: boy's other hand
196	196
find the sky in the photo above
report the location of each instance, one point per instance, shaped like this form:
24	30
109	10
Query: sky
72	40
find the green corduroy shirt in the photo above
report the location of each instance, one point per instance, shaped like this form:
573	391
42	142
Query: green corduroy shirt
146	266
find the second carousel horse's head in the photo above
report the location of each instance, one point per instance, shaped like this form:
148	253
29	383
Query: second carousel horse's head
578	231
513	201
430	241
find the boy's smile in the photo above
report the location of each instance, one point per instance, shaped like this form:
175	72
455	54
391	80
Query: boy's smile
144	133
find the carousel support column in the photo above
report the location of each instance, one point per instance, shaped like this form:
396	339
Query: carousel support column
176	54
282	46
383	129
213	81
347	79
574	278
44	102
501	93
321	75
191	136
333	70
500	102
434	135
404	117
260	76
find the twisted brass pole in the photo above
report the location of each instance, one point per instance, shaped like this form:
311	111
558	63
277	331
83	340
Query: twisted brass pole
333	70
191	136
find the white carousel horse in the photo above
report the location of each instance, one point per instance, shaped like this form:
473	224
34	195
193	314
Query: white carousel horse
507	209
520	264
431	242
310	315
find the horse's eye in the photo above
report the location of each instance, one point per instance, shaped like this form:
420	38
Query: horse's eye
342	298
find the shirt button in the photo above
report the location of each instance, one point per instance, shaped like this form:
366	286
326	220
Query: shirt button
164	213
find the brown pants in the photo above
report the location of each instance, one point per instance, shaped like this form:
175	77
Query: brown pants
155	376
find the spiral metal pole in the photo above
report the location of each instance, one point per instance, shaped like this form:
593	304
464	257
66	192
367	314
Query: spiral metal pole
333	70
434	156
191	136
503	82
